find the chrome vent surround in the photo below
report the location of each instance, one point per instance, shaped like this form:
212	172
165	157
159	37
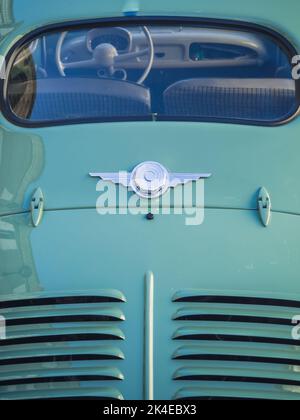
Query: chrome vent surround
62	347
235	347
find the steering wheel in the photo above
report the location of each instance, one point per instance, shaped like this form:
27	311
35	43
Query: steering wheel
106	58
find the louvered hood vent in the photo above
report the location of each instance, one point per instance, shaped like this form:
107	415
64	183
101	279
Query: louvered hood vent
234	347
62	347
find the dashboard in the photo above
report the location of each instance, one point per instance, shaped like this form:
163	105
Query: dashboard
174	47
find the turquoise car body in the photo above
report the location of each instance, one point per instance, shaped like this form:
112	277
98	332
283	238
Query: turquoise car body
231	265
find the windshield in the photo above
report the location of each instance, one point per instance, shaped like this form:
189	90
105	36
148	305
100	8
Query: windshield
137	72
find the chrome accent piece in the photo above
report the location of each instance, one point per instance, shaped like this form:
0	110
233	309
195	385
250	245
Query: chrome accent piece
122	178
184	178
37	207
149	338
264	206
150	179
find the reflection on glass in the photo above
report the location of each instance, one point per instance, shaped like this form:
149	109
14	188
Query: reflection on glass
142	72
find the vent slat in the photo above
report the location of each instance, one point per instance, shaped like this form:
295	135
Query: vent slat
61	310
233	314
239	372
222	390
58	353
105	296
238	353
69	390
101	315
23	333
235	378
238	332
26	374
53	338
197	296
238	338
233	318
247	359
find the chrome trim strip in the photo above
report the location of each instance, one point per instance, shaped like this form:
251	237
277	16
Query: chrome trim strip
149	338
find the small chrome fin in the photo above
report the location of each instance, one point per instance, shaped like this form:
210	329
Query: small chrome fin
37	206
264	206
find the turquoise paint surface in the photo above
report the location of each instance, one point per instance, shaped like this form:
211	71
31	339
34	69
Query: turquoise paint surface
270	12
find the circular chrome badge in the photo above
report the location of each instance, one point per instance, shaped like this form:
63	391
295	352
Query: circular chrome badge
150	180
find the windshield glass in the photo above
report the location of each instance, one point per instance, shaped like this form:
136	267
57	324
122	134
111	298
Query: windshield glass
137	72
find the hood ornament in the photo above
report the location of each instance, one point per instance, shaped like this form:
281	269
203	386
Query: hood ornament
150	179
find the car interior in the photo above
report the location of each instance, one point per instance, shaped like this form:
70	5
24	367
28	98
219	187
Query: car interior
152	71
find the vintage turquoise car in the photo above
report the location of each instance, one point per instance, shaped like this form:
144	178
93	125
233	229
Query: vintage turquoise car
149	199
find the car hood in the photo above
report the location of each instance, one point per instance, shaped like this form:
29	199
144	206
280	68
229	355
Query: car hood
122	307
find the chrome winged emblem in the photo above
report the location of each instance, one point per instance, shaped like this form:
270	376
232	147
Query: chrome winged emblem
150	179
